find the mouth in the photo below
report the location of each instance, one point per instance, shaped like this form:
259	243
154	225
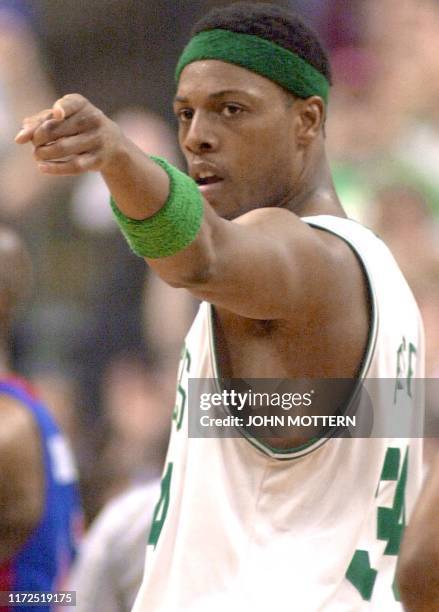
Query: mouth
210	179
205	174
208	182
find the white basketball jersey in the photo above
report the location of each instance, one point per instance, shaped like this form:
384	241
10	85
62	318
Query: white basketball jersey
242	527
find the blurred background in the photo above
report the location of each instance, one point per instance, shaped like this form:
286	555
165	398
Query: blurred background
101	337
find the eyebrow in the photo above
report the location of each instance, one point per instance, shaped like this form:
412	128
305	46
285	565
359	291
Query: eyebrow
216	94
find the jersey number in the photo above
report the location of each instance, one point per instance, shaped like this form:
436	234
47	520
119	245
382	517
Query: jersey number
390	527
161	509
180	403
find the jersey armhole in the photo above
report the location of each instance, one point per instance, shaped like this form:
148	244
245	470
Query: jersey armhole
317	442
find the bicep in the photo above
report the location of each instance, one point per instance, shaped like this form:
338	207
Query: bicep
268	264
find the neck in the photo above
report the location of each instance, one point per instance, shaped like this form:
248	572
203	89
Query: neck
316	195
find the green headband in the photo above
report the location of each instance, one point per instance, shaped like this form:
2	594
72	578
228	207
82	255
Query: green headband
259	55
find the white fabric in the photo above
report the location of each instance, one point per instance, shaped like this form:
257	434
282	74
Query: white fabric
246	531
108	571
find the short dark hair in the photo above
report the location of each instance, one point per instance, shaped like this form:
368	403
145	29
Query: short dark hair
273	23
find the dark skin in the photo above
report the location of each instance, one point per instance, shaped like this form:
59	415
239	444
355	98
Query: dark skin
418	565
21	463
290	301
21	477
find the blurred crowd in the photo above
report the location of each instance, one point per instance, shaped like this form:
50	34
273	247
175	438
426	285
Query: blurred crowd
101	336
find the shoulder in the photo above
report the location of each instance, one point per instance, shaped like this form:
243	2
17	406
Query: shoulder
325	232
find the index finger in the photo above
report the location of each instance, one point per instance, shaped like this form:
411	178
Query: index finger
67	106
30	124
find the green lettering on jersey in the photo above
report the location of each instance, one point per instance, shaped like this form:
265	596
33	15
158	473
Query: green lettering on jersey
391	521
180	402
161	509
404	367
392	460
390	526
361	574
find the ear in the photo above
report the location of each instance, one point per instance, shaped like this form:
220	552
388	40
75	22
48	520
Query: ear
311	114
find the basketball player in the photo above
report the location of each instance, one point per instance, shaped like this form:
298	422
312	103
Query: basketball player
39	506
291	289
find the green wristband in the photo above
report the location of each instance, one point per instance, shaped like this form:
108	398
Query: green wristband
174	226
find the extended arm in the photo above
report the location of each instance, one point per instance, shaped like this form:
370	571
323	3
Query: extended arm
266	265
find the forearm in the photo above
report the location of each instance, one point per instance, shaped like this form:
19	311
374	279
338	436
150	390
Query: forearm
165	217
169	223
138	185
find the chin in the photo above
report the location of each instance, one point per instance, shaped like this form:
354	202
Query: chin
222	209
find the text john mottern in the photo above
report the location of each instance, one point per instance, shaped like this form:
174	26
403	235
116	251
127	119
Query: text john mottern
286	401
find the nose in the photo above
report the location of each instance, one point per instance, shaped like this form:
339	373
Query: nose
201	136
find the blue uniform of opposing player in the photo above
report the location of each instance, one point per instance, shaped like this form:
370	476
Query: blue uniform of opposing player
40	512
42	562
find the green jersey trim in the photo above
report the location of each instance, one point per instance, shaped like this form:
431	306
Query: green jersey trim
315	443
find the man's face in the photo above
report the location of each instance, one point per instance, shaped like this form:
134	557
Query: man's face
236	131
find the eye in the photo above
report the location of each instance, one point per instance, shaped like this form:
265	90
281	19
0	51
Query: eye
185	114
231	110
